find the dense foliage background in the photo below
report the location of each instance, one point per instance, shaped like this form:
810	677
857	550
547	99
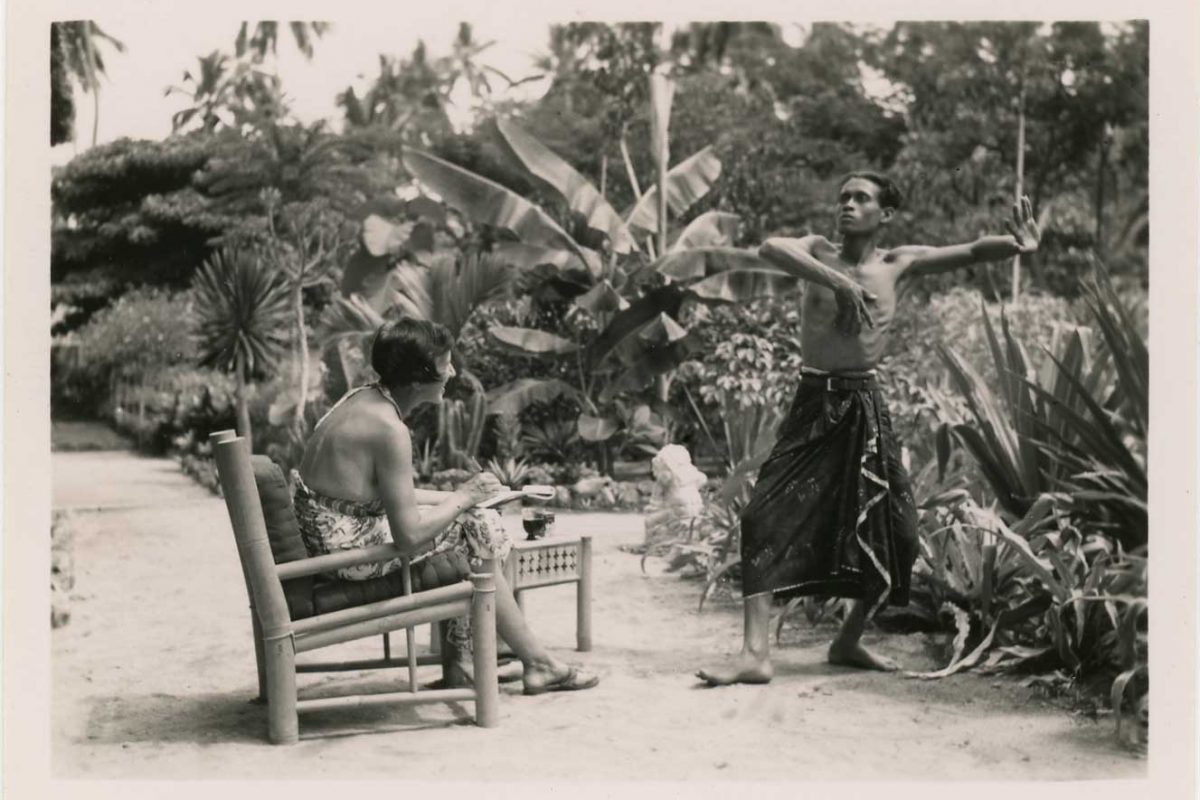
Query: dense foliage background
232	272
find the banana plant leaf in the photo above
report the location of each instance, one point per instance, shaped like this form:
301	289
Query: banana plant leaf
710	229
646	363
489	203
582	198
525	256
602	299
662	330
630	321
531	341
743	285
687	182
703	262
596	429
514	397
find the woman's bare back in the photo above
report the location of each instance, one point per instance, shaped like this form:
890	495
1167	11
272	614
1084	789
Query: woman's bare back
339	458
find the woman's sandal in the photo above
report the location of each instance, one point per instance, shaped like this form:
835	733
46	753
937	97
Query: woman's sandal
570	682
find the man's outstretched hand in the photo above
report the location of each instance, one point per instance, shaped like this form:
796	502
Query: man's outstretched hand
1023	227
852	309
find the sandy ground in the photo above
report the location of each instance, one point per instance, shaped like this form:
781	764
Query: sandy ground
154	673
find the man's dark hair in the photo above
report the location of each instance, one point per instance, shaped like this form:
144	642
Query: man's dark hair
889	192
405	351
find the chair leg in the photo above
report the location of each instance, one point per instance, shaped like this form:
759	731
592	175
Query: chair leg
483	640
583	596
260	662
283	724
449	654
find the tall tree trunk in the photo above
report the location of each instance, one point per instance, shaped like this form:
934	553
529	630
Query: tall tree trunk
1100	169
243	406
90	46
302	357
661	92
633	181
1016	264
95	115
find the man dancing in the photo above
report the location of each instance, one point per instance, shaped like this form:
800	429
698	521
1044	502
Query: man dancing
832	512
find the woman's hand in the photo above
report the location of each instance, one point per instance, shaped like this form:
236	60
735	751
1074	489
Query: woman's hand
480	488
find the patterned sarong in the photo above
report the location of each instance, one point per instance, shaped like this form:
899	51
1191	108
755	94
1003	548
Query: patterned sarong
832	511
329	524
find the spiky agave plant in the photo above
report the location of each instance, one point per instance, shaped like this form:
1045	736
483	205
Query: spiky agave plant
242	321
1079	426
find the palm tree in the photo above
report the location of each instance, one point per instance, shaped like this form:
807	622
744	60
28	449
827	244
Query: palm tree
231	93
242	312
265	38
408	95
74	55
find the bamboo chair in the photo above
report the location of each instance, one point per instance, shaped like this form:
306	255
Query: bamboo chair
291	614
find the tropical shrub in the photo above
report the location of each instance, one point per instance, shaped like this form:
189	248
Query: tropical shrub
512	472
1078	425
625	293
556	441
242	318
125	344
1054	576
912	368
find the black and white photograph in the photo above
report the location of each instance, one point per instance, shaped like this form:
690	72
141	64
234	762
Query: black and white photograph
563	399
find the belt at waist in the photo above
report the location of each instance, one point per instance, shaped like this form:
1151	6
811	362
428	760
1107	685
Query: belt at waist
836	382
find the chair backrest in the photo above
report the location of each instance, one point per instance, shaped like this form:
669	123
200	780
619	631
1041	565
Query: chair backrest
283	532
240	489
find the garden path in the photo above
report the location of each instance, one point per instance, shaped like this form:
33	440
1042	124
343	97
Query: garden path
153	674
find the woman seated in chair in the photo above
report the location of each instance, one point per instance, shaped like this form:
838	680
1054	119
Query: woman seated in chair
355	489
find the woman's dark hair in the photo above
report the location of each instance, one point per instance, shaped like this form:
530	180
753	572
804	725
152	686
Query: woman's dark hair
405	351
889	192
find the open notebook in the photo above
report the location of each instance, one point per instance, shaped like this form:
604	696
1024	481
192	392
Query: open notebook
533	492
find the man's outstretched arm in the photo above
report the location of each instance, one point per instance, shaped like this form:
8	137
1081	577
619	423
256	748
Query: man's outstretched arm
920	260
795	257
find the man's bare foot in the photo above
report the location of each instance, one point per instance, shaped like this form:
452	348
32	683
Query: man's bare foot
855	655
746	668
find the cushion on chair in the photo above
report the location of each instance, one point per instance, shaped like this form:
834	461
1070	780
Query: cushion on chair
311	595
437	570
284	532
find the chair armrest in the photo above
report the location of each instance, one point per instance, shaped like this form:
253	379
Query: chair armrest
335	561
